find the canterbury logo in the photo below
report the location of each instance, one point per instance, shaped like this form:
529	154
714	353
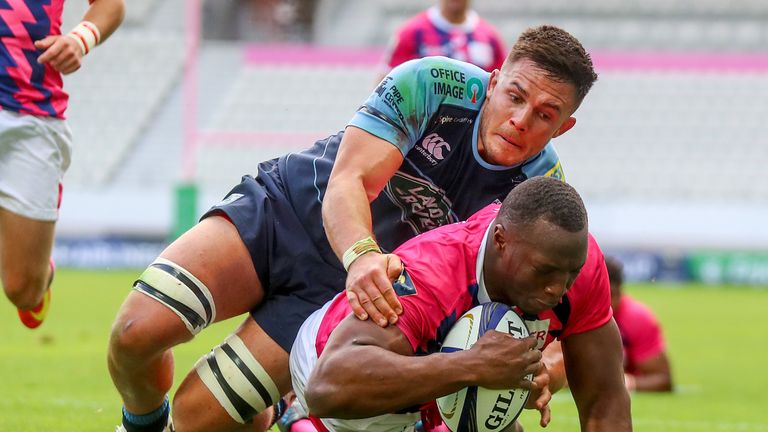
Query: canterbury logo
435	145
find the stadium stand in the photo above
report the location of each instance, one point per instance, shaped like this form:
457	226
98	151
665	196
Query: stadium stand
678	128
599	24
119	91
107	114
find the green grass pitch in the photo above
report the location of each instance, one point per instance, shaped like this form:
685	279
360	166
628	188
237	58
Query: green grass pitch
55	378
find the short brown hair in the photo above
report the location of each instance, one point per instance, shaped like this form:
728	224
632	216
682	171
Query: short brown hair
557	53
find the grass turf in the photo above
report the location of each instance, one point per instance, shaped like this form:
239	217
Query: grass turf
55	378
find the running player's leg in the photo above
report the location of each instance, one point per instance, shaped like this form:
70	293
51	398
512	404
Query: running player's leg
34	154
25	253
206	275
234	386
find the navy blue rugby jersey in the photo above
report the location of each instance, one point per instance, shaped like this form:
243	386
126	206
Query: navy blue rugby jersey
430	110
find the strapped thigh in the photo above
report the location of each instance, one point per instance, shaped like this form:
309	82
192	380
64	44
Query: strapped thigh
237	380
180	291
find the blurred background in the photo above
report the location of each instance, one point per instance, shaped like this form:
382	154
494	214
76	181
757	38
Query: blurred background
187	96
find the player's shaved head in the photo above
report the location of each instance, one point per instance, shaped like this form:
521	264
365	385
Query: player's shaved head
544	198
538	245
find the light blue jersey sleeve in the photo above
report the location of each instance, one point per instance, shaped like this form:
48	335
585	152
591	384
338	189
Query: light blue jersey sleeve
546	163
400	108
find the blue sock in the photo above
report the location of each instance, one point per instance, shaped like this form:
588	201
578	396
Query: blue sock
151	422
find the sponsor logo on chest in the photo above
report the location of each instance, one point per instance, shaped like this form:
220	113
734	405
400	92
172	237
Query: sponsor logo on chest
423	205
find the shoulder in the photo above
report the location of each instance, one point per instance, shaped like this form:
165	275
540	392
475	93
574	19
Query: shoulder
635	311
445	68
595	265
547	163
446	80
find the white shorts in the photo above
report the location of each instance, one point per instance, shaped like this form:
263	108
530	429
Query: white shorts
34	155
304	358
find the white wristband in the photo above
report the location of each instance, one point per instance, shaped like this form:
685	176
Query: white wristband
87	35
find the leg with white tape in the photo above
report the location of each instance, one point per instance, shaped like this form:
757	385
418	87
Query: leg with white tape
232	386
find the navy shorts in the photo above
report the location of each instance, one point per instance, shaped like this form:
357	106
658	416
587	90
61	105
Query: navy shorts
297	275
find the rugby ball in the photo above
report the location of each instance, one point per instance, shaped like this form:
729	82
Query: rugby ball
478	409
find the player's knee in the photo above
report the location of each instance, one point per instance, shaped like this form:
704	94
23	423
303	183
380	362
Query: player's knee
130	340
239	383
24	290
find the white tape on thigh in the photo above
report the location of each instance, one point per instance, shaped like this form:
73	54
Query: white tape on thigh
180	291
237	380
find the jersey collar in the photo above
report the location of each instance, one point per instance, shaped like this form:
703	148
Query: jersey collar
439	21
482	292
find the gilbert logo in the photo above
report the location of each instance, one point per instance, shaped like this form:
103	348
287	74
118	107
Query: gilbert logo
435	145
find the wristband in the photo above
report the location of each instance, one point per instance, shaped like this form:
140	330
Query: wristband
358	249
87	35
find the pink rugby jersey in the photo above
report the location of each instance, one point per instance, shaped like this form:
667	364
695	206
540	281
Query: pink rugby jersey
441	283
430	34
27	87
640	332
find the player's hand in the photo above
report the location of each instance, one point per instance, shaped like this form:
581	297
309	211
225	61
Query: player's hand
540	396
61	52
505	361
369	287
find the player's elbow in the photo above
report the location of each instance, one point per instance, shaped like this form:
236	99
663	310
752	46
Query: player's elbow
323	399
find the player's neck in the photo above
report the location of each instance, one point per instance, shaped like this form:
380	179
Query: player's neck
454	17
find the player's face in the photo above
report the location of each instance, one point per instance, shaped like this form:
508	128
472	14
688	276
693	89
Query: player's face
524	109
535	268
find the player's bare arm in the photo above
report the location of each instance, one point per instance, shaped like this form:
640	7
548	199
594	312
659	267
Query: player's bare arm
363	166
366	370
65	52
653	374
599	392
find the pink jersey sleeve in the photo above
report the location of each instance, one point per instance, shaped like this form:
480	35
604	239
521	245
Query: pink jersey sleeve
590	295
441	295
640	331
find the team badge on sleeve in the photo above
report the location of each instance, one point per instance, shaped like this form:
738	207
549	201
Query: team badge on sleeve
404	285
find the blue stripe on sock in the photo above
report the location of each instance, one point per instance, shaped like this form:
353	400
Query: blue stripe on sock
149	418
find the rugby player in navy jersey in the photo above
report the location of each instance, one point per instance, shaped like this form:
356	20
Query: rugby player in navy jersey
436	141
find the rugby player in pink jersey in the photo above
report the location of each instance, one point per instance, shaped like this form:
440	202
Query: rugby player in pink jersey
646	365
532	252
35	142
450	29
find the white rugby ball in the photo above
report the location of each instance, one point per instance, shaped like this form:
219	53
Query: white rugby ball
478	409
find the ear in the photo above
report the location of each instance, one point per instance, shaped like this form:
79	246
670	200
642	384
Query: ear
492	81
499	237
565	127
